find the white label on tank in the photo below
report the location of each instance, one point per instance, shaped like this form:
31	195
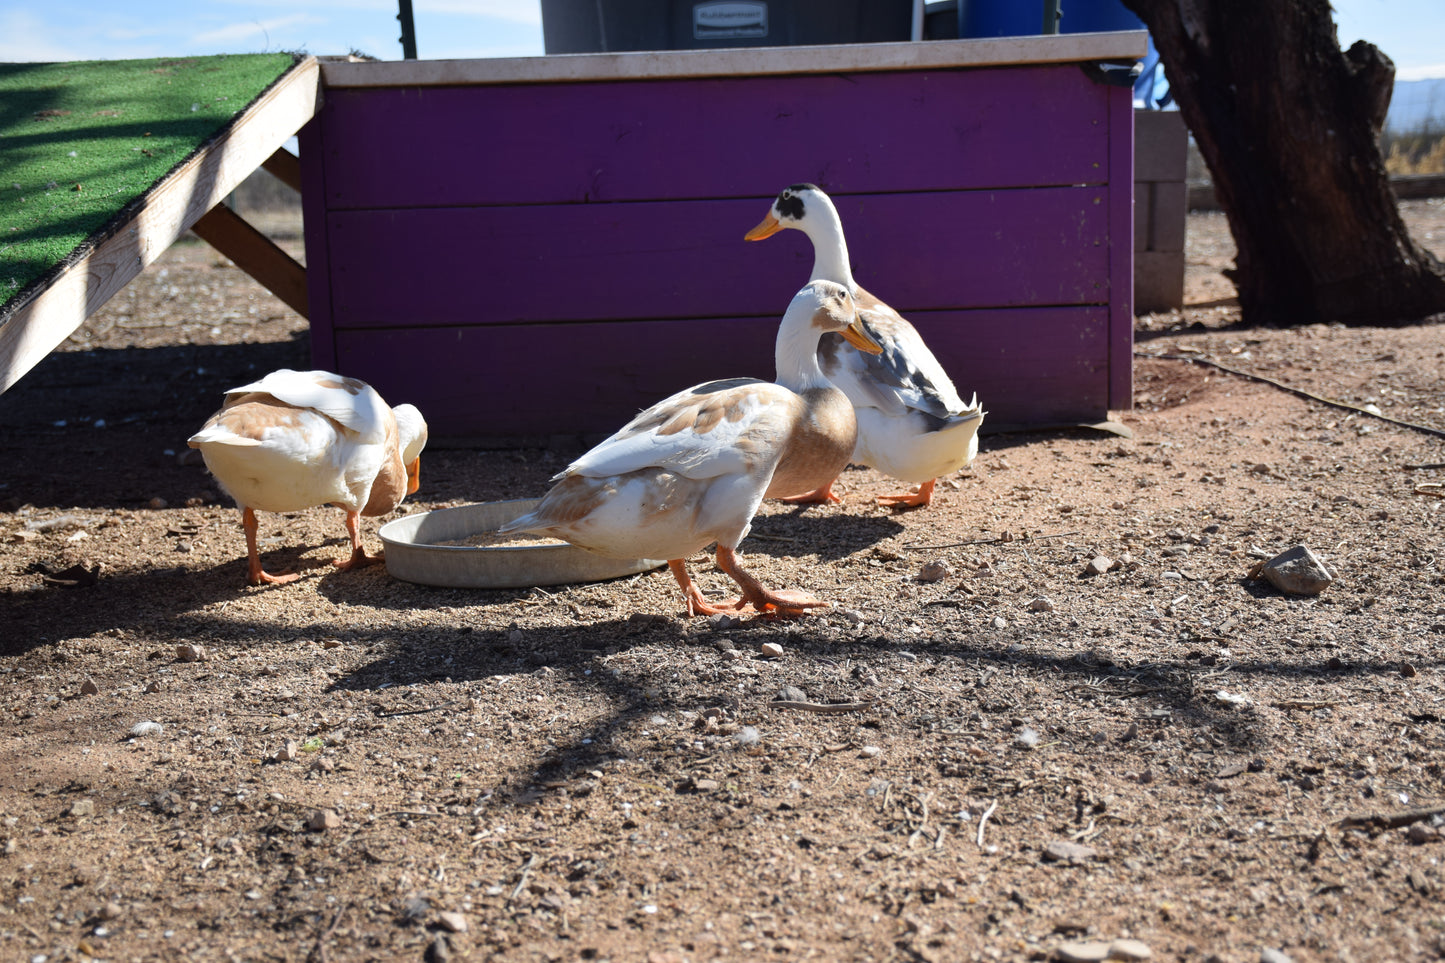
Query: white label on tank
729	19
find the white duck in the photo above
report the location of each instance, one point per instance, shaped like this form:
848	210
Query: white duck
912	425
297	439
693	469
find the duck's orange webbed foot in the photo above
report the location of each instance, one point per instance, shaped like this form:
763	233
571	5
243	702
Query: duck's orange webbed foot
818	496
259	576
255	575
781	604
359	559
359	556
918	498
777	604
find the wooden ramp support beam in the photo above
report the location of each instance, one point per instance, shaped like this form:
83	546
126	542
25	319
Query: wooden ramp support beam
32	329
256	254
285	167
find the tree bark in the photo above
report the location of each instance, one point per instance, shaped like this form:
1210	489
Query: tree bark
1289	126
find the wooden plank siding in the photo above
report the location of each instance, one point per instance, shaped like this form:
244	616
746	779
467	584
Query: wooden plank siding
533	259
494	383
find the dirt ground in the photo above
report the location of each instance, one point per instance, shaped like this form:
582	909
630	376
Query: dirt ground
352	767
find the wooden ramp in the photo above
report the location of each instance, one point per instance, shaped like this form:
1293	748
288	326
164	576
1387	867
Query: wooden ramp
188	198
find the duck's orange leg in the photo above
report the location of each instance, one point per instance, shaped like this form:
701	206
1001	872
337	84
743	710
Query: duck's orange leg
818	496
697	603
359	557
788	604
919	497
255	575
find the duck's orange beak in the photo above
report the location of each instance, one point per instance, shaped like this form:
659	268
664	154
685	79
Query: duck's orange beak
767	228
860	337
413	476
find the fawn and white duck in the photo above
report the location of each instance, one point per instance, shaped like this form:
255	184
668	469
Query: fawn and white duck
693	469
298	439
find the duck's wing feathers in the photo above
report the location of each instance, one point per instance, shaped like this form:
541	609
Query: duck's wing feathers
904	376
712	429
351	403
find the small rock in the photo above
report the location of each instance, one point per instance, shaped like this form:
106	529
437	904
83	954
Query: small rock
853	616
1062	851
88	687
288	752
1408	671
154	686
1130	733
790	693
452	922
332	643
323	764
1041	604
1298	572
1079	951
871	752
723	621
157	503
1098	565
999	622
770	650
438	951
934	571
1133	950
322	820
1267	955
1419	833
189	652
82	807
111	911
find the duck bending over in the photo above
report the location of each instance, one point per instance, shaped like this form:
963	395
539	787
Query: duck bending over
297	439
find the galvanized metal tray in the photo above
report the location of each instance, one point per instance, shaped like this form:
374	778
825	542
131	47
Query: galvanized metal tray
413	552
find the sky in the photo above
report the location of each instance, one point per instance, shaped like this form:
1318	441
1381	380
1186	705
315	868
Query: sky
1411	32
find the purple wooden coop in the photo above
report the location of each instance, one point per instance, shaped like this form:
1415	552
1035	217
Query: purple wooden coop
540	247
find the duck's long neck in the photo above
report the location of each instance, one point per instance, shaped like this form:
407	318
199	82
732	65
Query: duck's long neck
830	250
796	354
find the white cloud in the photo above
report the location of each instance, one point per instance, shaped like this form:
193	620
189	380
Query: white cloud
514	11
473	52
24	38
253	29
1427	72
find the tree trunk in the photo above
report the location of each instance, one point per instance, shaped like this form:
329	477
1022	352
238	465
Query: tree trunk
1289	126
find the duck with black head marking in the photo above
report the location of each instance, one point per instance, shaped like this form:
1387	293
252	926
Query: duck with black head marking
912	424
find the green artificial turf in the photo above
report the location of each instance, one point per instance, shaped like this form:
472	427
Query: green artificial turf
79	141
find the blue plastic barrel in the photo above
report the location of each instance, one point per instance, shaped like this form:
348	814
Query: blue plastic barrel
1022	18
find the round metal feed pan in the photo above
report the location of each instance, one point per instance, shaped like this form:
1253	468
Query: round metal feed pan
414	555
